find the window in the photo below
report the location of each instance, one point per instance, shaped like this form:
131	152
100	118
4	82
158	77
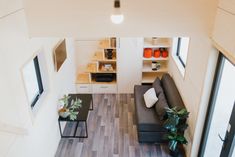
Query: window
33	81
182	50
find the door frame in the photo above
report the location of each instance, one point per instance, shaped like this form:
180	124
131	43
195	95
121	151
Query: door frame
211	107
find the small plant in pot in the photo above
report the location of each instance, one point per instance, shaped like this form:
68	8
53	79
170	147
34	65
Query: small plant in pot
69	109
176	125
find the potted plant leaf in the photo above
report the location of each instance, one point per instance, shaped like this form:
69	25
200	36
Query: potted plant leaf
176	125
69	109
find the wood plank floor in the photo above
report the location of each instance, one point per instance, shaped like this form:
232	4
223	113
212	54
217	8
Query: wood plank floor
111	132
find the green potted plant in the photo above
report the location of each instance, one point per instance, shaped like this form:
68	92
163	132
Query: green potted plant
71	109
176	125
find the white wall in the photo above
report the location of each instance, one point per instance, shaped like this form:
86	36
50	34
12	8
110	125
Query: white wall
16	49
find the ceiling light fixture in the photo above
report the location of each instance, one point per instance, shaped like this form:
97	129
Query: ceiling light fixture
117	17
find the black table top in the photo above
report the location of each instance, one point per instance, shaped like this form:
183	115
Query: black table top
83	111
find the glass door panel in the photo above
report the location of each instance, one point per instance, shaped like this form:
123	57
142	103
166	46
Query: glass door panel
224	99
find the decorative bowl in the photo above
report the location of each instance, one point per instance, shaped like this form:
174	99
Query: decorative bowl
64	114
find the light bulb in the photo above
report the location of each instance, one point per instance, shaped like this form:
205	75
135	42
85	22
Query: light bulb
117	19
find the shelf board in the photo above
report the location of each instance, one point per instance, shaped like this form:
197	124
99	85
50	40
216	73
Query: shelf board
156	59
147	67
156	46
108	47
150	77
103	71
161	43
107	60
83	78
113	82
91	68
105	44
98	56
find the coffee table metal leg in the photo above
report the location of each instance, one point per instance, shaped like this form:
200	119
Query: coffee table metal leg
92	103
86	130
76	129
60	129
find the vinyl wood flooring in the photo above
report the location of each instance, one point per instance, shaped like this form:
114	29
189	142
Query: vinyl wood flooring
111	132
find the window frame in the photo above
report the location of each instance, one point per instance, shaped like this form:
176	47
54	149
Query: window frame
39	81
178	52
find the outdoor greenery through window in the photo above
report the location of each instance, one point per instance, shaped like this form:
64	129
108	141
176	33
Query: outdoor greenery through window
33	81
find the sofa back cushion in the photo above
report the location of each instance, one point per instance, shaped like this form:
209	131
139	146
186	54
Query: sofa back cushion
171	92
157	86
161	106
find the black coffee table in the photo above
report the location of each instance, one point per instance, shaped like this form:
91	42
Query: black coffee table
87	101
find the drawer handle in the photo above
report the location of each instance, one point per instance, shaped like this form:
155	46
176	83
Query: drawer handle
103	87
83	87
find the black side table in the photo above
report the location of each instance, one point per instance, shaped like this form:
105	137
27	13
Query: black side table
82	115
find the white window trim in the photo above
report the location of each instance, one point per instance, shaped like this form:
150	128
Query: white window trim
45	81
176	58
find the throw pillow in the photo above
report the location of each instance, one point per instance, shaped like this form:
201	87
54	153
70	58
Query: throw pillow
157	86
150	98
161	105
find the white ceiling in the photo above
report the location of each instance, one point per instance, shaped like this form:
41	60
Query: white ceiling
91	18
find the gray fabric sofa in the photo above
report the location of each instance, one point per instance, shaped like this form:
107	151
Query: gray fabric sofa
149	121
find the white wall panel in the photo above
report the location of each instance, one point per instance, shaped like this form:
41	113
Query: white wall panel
129	64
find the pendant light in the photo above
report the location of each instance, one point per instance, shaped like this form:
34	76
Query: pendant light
117	17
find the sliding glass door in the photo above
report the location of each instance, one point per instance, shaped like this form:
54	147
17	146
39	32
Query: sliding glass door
219	130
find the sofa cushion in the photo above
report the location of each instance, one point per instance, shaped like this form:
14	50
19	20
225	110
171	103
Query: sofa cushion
157	86
150	98
160	106
171	92
147	119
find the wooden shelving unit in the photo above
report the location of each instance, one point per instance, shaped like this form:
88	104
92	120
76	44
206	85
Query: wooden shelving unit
83	78
108	43
91	68
149	75
101	63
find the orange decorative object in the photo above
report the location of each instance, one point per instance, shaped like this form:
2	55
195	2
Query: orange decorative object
157	53
148	53
164	53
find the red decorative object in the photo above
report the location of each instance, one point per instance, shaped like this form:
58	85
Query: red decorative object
148	52
157	53
164	53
